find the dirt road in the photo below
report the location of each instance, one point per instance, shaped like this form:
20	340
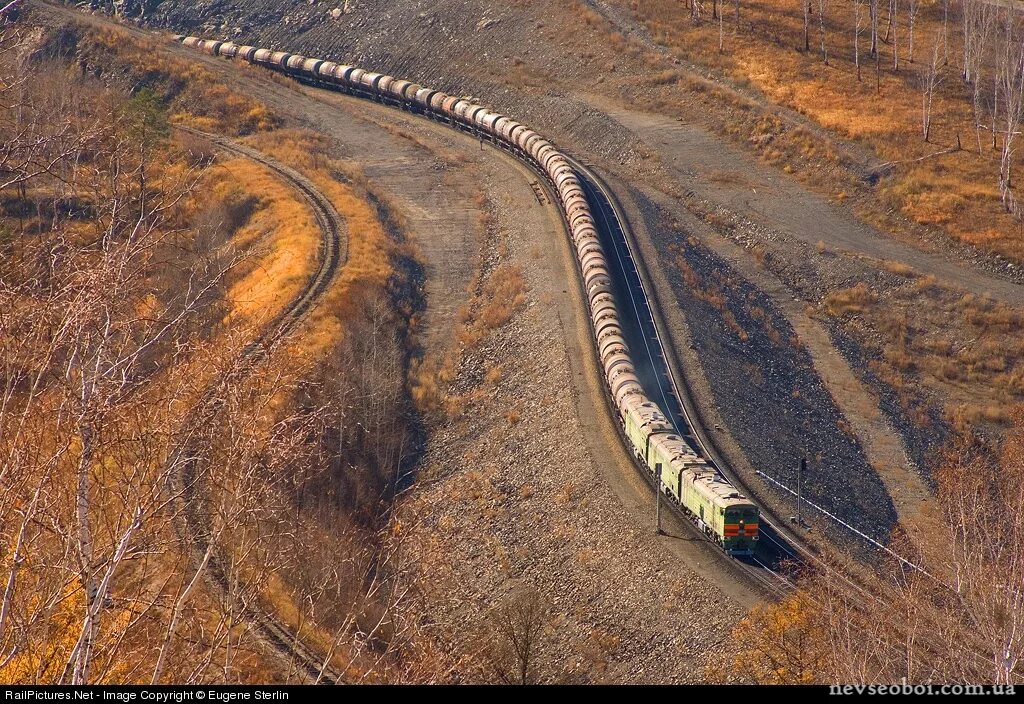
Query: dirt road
724	175
445	189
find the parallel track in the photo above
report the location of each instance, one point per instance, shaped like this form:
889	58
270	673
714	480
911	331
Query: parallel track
332	255
660	375
646	340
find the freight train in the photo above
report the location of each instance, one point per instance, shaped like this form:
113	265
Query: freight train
704	495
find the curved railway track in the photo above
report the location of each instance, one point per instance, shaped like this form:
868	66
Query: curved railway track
658	369
333	253
645	333
593	218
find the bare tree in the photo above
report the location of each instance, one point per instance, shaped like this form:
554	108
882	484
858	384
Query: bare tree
856	35
972	12
97	360
807	24
915	6
945	32
978	21
519	625
873	20
893	21
1010	69
930	81
721	33
821	30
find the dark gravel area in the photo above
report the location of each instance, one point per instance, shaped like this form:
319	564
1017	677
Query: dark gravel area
924	442
765	385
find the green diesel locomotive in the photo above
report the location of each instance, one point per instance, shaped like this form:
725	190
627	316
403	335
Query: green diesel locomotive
707	498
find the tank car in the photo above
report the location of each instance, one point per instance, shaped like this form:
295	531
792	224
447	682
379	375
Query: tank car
702	493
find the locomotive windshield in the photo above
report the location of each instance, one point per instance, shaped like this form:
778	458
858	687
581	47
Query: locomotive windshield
747	514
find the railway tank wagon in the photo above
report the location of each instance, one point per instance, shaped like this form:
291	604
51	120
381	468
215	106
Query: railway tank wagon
702	493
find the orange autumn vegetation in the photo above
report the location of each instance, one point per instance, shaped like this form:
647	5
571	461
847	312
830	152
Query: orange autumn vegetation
281	238
195	94
238	208
956	191
370	249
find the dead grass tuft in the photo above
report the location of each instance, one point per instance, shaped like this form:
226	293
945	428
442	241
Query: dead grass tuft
494	375
504	293
855	299
898	268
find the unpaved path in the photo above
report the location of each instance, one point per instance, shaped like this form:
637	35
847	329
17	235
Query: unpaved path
703	164
433	179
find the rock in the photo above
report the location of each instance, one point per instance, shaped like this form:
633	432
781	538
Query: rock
336	13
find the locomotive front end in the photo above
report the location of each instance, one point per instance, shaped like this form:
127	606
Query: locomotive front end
740	529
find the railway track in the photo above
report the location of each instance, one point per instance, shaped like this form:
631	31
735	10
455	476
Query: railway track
193	526
657	371
656	367
641	325
657	374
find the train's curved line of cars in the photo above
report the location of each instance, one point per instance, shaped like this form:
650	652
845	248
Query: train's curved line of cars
704	494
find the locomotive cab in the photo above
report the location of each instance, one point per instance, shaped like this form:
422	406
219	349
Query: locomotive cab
740	529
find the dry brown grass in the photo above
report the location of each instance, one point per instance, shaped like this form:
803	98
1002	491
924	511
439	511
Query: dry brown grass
956	191
965	352
566	493
986	314
494	375
370	248
504	293
281	237
965	417
278	235
898	268
196	95
855	299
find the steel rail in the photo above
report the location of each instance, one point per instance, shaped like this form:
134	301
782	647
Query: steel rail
333	253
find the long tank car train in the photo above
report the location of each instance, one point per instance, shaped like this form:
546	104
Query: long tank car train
704	495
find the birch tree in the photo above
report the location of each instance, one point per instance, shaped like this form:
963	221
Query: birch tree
857	11
930	81
821	30
1010	70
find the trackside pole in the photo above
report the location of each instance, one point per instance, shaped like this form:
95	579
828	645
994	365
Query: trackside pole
800	491
657	499
799	517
